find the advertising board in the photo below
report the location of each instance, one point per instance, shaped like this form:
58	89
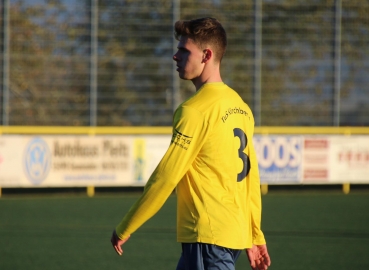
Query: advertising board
129	160
279	158
349	159
47	161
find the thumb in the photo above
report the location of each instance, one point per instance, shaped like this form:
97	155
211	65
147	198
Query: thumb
251	256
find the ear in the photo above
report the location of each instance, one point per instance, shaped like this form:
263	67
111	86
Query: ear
208	54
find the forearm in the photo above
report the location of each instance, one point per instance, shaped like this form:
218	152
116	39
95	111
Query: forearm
155	194
258	236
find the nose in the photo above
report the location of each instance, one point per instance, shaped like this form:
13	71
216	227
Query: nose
175	57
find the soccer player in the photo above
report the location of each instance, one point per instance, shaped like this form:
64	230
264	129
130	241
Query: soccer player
211	161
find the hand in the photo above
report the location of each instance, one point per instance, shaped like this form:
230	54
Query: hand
117	242
258	257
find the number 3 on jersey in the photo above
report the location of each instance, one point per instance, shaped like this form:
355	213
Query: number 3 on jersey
245	158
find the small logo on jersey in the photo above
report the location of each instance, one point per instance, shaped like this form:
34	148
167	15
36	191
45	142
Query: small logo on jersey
37	160
181	140
232	111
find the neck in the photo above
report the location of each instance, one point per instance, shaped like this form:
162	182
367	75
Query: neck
209	75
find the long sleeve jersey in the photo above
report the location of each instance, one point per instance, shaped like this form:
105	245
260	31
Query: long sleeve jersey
212	163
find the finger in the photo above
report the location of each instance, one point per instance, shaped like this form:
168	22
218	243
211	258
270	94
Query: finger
253	265
115	242
264	264
257	264
116	246
261	265
266	259
118	249
249	256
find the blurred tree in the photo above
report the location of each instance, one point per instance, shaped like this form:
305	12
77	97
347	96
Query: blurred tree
298	59
135	64
297	63
355	63
47	85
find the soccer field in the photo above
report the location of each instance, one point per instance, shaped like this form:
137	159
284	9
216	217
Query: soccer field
304	231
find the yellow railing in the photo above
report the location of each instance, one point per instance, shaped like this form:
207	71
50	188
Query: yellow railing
83	130
167	130
313	130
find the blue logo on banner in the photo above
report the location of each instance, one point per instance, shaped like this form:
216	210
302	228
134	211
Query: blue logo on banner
279	158
37	160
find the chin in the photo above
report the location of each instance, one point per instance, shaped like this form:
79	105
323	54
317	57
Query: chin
183	76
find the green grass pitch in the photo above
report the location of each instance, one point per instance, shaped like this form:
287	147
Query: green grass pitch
304	231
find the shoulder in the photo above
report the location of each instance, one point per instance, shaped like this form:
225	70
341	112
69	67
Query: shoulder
188	113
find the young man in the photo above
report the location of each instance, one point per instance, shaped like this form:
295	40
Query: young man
211	161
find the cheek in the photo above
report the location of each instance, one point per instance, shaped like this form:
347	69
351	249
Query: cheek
194	62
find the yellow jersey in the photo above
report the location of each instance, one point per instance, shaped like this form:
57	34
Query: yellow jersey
212	162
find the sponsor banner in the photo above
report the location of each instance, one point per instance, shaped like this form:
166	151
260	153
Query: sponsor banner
349	160
313	159
316	159
279	158
148	151
127	160
47	161
83	160
11	149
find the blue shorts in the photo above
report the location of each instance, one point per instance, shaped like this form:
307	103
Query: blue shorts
199	256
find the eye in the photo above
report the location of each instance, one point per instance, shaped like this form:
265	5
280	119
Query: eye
182	49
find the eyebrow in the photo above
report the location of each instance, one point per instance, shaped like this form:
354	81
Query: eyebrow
182	48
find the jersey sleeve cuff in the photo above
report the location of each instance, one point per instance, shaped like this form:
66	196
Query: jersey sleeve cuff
259	240
121	234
